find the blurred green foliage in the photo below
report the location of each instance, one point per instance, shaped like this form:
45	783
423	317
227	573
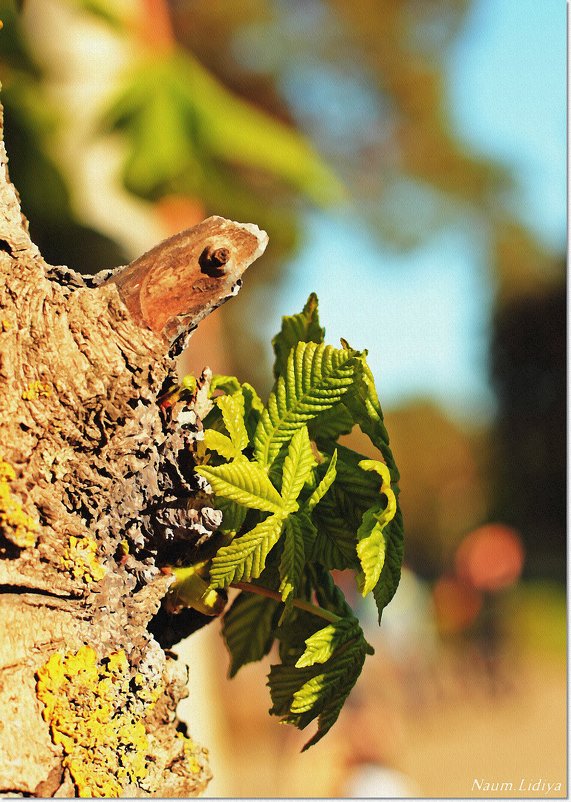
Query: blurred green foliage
186	134
31	121
181	123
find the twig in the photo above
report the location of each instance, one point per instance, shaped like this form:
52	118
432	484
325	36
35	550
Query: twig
299	603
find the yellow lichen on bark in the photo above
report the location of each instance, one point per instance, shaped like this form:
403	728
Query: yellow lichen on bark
79	558
15	525
189	752
36	389
96	711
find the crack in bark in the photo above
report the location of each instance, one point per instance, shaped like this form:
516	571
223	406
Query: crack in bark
21	590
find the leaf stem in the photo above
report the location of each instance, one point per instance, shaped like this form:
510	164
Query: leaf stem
301	604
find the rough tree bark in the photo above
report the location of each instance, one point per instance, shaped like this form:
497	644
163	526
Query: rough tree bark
92	476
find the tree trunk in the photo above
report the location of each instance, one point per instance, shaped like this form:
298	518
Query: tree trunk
92	474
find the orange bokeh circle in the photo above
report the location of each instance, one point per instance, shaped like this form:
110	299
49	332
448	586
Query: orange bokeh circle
491	557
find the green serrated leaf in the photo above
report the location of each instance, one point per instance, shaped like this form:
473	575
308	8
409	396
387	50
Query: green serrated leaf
303	327
324	484
293	557
335	543
389	579
253	408
371	547
319	690
298	464
332	423
232	408
374	465
316	378
248	629
283	681
338	675
308	530
227	384
244	482
321	646
233	516
366	409
252	399
293	632
330	714
339	514
359	487
245	557
328	595
371	543
319	667
216	441
252	402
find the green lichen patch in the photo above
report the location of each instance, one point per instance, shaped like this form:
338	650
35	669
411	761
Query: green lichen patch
96	711
15	525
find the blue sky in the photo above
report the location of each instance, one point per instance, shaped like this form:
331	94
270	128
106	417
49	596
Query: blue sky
507	85
507	78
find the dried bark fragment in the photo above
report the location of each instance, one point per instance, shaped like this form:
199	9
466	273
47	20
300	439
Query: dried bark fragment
177	283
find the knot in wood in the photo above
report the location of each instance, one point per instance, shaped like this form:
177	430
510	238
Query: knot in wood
214	259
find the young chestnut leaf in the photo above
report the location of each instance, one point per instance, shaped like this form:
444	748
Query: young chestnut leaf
245	558
371	544
293	510
322	645
317	686
293	557
389	579
227	384
340	513
324	484
232	408
316	378
298	464
219	442
303	327
244	482
248	629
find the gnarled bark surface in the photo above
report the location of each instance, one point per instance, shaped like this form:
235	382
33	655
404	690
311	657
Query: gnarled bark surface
89	469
